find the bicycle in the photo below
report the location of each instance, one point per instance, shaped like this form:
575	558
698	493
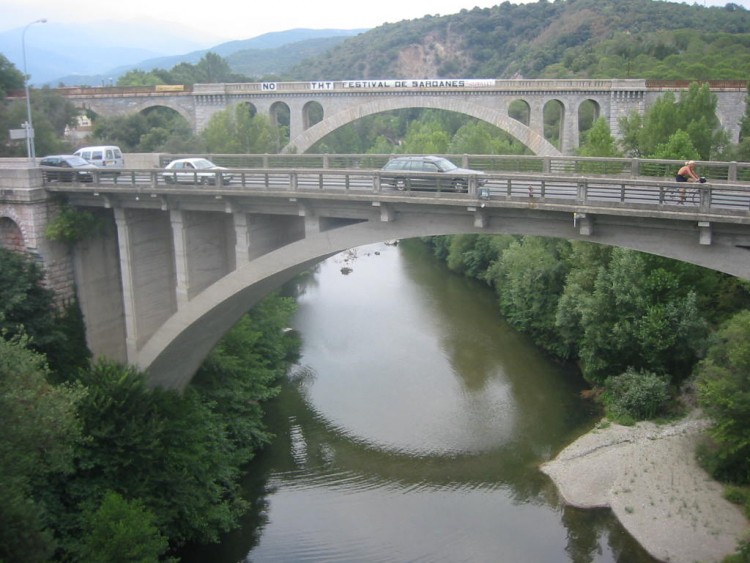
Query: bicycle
683	193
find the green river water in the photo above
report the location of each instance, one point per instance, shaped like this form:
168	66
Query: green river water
412	430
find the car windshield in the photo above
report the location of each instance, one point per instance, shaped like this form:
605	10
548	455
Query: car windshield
202	163
76	161
444	165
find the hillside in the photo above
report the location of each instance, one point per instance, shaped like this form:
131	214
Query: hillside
565	38
270	53
278	60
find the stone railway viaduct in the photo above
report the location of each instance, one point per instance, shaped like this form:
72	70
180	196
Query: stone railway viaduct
315	109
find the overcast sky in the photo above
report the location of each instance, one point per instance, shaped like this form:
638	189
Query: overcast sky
233	19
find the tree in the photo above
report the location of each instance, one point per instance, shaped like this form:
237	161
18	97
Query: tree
212	69
138	77
638	315
149	131
587	262
167	449
677	147
243	369
25	303
42	430
694	113
478	137
426	138
724	392
529	280
598	141
236	131
10	77
51	113
121	531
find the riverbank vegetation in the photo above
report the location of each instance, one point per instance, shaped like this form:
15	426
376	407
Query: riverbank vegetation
98	466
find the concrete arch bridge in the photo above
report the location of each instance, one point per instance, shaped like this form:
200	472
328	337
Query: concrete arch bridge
181	263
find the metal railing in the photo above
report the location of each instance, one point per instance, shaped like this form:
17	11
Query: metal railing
588	166
503	188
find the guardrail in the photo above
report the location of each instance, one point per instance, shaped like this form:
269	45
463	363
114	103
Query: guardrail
729	199
619	167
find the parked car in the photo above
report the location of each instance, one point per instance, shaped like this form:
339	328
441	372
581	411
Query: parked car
195	171
402	172
66	168
108	157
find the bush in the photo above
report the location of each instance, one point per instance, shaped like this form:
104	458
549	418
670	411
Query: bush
72	225
637	395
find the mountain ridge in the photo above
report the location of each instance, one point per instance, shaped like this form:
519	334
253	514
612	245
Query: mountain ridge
72	55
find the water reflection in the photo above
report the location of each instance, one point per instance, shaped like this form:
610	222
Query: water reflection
413	429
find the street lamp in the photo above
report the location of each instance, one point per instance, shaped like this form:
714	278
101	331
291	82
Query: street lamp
30	149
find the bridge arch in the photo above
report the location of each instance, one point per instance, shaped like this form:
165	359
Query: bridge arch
175	351
11	234
554	108
280	113
520	110
249	107
499	118
312	114
587	112
138	106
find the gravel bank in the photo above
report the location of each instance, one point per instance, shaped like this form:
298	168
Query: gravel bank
648	476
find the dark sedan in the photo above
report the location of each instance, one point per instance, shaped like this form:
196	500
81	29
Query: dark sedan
403	172
67	168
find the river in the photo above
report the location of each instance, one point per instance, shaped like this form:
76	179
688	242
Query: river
412	429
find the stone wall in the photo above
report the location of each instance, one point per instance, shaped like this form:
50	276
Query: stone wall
25	210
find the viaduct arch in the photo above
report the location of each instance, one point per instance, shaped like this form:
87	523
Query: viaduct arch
532	138
104	107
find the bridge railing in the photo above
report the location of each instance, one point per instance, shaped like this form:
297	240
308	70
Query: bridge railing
501	187
618	167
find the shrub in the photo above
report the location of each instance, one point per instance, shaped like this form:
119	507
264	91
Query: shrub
637	395
72	225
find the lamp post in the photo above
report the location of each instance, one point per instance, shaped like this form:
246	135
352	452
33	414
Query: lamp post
30	149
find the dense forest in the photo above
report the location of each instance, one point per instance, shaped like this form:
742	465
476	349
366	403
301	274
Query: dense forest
91	469
101	467
560	39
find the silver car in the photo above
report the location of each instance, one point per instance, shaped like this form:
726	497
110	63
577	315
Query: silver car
195	171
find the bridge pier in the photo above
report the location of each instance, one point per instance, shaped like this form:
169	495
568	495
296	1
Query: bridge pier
169	256
128	283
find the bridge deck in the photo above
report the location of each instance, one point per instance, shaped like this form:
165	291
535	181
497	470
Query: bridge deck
724	201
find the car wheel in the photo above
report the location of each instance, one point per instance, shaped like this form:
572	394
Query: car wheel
169	179
400	184
204	181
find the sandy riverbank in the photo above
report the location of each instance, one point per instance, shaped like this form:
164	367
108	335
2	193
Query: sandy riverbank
648	476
